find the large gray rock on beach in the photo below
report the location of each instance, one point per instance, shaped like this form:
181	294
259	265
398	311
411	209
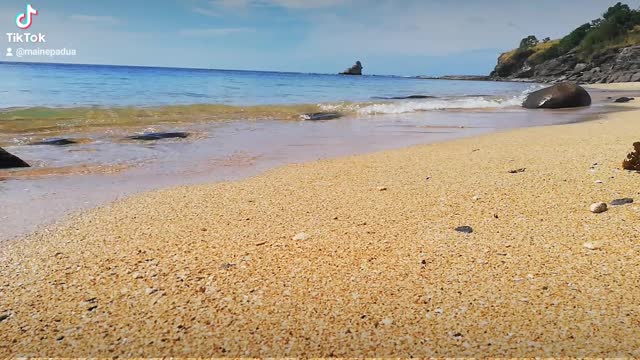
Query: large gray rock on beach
354	70
563	95
8	161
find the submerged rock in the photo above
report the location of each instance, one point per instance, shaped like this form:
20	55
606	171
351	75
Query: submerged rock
408	97
354	70
8	160
563	95
632	162
159	136
624	99
55	142
321	116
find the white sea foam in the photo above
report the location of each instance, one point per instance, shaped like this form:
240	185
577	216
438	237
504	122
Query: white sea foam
430	104
411	106
403	107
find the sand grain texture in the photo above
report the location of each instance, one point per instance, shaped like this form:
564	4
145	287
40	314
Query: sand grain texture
213	270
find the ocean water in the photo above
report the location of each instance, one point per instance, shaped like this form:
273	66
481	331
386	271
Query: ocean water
55	99
62	85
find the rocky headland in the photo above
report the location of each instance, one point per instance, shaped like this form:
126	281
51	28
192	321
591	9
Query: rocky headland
606	50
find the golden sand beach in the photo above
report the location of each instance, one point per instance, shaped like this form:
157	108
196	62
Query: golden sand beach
356	256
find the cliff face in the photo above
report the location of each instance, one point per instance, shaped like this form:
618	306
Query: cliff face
614	65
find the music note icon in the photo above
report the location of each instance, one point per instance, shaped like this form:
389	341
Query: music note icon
24	20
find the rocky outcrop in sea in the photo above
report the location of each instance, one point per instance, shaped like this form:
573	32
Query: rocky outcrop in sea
354	70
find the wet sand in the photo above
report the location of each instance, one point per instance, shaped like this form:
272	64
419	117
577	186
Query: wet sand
375	269
630	86
104	168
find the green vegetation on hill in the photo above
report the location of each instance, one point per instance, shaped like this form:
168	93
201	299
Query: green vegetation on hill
618	27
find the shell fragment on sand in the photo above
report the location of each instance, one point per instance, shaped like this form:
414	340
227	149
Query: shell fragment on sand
592	245
301	237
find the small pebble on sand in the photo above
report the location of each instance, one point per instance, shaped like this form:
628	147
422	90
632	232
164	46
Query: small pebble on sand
464	229
598	208
599	181
301	237
382	188
592	245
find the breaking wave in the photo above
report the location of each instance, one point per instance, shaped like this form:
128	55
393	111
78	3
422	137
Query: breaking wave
43	119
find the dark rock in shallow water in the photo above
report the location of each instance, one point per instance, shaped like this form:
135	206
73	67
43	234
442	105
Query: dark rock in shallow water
354	70
563	95
464	229
56	142
624	99
8	161
321	116
159	136
619	202
409	97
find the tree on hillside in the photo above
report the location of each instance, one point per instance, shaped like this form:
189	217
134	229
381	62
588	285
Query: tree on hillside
615	23
529	42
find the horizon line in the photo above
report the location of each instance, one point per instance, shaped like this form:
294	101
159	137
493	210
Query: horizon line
198	68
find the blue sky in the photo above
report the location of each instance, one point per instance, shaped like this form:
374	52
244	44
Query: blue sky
402	37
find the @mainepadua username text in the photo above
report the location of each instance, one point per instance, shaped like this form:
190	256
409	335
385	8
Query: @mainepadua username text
21	52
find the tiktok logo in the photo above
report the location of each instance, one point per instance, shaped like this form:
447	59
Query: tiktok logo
24	20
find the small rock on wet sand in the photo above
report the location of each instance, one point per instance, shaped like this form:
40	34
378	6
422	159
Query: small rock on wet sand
624	99
464	229
598	208
620	202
